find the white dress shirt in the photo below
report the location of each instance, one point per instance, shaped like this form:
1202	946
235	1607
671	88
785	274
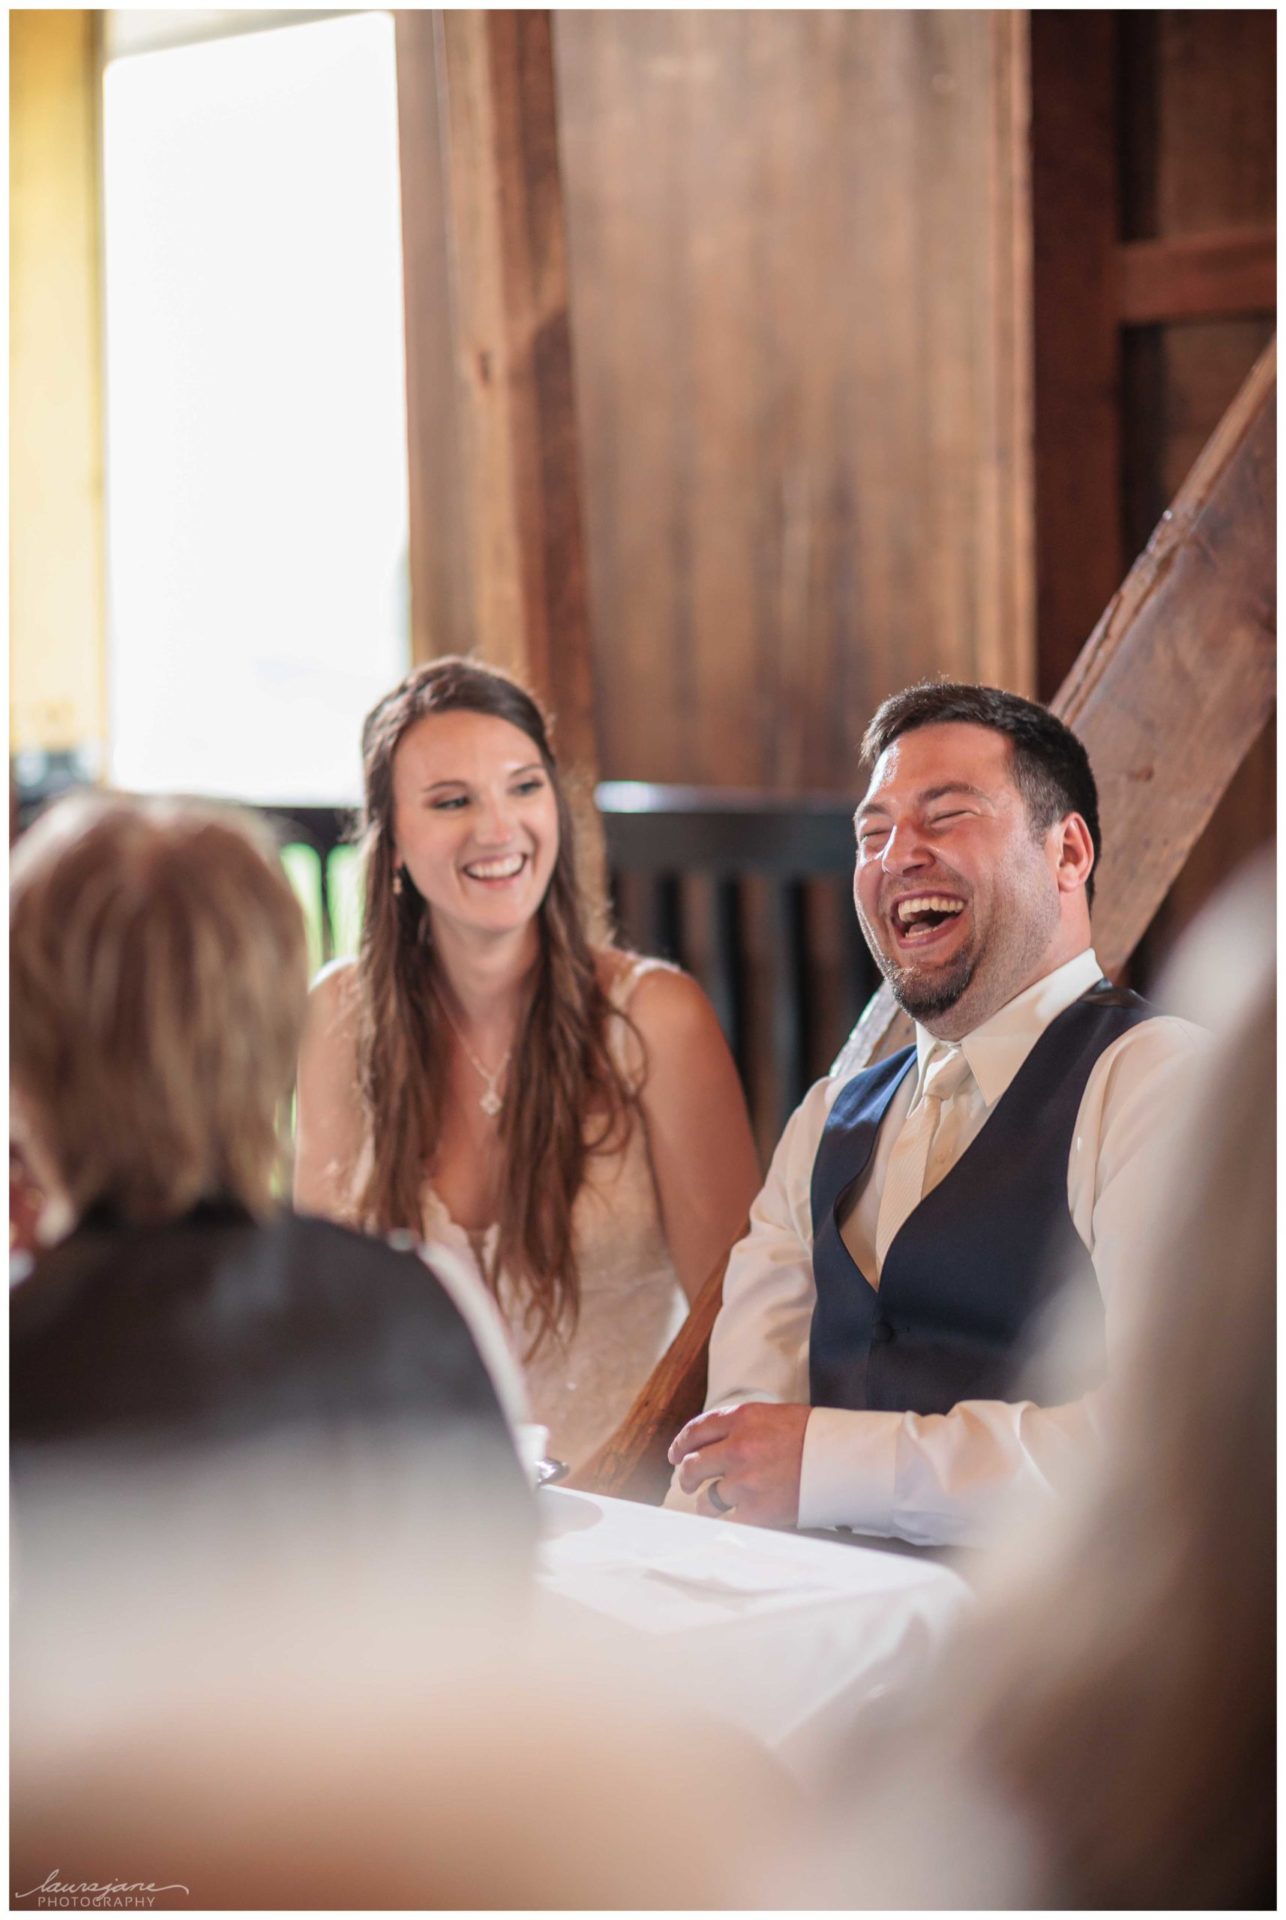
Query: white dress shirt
936	1478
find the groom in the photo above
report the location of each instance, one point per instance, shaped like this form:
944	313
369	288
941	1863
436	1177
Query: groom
869	1367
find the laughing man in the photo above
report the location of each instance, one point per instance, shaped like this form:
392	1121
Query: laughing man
872	1364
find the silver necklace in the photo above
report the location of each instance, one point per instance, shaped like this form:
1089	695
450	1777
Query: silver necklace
491	1102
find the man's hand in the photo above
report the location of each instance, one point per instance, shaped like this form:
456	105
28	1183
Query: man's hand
752	1455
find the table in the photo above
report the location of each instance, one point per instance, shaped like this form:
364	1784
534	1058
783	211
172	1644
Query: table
786	1637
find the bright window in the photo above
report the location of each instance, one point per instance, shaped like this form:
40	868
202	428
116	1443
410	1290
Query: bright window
256	473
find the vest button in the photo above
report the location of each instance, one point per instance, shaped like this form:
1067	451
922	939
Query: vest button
882	1331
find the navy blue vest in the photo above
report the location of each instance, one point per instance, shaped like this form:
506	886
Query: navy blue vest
970	1270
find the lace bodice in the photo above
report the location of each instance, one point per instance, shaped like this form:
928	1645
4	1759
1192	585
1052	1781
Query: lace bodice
631	1304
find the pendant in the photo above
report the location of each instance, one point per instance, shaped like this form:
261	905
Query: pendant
491	1103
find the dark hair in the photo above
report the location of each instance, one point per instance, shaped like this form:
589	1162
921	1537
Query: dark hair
1051	768
563	1069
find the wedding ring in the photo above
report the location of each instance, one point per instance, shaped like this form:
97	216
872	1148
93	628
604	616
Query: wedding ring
717	1500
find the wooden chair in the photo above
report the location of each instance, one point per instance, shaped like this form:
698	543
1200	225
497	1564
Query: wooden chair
752	893
1169	694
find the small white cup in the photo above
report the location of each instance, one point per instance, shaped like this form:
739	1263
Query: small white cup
533	1445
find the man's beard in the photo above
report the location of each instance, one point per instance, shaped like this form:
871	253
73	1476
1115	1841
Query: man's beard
925	996
929	994
929	998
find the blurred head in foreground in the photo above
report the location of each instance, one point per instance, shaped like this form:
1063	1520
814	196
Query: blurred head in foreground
505	1788
1136	1726
1107	1735
157	984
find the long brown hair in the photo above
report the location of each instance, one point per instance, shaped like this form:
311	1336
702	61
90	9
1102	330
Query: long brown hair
563	1070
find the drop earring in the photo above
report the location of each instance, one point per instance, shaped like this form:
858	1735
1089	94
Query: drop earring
397	883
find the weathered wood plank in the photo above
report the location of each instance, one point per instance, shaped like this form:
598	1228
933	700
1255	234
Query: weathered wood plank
441	613
506	444
1169	693
1215	117
1078	450
1201	160
633	1462
799	279
1197	276
1178	679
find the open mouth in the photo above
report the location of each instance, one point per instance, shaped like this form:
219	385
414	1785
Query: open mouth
919	919
496	872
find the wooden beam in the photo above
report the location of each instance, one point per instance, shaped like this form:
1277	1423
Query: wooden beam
1006	533
1178	679
1199	276
633	1463
1169	694
441	613
1172	688
504	442
1076	337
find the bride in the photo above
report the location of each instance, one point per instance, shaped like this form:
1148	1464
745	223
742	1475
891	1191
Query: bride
566	1117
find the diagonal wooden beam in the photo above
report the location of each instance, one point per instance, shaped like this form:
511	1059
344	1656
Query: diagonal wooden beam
1178	679
1172	688
1169	693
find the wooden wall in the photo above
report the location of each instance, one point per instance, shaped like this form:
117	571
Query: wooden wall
799	296
1210	80
1154	166
1198	161
893	333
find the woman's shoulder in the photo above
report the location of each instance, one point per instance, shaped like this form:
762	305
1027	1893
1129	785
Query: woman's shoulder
658	995
334	986
333	1001
621	972
336	980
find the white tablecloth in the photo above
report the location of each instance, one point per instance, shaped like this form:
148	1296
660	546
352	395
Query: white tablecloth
786	1637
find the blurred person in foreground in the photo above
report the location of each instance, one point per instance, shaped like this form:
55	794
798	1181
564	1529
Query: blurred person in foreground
872	1365
252	1451
516	1792
1106	1737
175	1313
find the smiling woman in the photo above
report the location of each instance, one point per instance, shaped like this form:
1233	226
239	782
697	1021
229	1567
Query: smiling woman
480	844
565	1116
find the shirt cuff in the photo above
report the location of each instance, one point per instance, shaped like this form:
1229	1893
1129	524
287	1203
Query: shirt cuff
848	1470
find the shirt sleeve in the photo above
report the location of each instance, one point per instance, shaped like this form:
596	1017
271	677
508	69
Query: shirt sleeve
759	1344
939	1479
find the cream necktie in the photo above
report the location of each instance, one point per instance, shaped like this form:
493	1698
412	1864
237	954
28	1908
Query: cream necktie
945	1074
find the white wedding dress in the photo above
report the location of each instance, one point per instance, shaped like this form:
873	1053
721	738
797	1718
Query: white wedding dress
631	1304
